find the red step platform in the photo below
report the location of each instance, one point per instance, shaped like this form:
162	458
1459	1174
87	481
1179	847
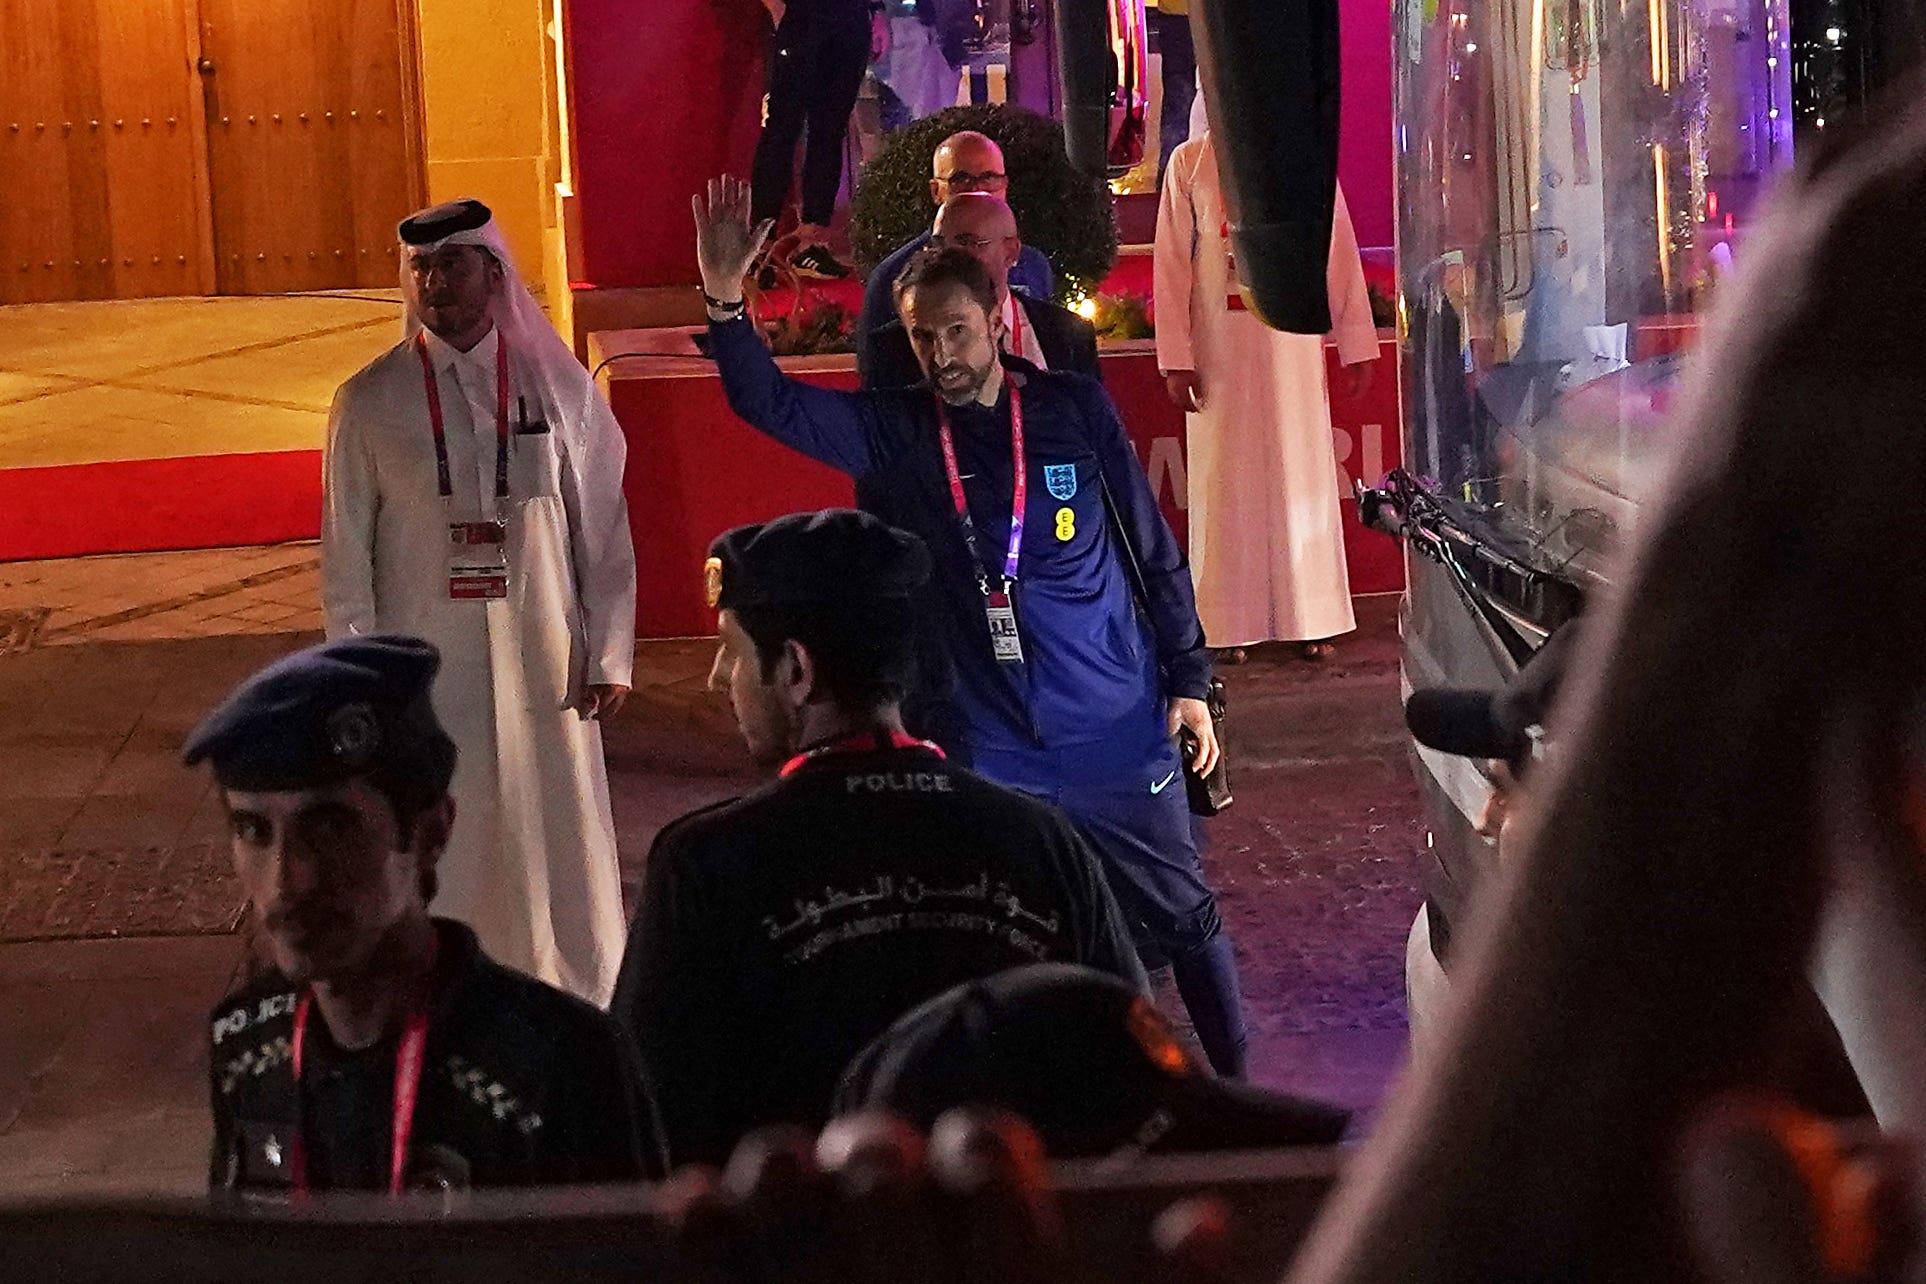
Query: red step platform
694	470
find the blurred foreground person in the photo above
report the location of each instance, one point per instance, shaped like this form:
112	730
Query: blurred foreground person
383	1050
1742	739
1776	1196
1083	1058
871	1199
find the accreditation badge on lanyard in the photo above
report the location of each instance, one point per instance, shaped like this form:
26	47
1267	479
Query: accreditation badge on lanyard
477	551
999	604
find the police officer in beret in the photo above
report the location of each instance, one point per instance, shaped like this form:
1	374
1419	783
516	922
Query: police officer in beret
382	1050
781	931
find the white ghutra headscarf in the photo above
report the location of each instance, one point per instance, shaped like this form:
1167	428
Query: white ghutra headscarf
544	367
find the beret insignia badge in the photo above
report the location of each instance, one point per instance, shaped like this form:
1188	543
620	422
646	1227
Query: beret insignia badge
354	734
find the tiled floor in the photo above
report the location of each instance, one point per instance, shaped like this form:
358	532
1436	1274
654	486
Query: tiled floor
161	378
147	596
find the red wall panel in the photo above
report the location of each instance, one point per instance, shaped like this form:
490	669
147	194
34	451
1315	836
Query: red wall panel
666	95
1364	138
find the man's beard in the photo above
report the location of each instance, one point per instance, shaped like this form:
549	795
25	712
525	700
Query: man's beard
448	320
954	388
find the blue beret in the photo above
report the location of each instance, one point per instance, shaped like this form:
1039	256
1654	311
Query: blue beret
837	557
357	706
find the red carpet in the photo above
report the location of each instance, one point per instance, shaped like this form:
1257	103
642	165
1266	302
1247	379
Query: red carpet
145	505
219	501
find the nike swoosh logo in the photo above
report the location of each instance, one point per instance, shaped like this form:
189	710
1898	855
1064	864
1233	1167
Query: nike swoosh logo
1158	788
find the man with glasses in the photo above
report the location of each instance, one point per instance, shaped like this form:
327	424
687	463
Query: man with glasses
1047	336
964	162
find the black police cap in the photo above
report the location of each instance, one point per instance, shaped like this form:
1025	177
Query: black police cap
438	221
1034	1040
356	706
836	557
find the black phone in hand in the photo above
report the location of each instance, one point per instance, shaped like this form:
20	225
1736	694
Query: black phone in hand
1208	794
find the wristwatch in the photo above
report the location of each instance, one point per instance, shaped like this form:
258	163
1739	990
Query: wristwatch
723	310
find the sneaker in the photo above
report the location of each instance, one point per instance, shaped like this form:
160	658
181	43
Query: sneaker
817	261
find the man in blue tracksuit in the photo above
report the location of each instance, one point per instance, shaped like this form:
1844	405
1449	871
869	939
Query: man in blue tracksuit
1046	675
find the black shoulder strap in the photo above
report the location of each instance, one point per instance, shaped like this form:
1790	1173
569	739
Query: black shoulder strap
1132	567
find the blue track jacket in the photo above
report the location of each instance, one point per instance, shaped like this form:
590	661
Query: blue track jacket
1096	670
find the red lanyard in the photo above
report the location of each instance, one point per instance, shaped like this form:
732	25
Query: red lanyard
1016	328
501	417
1021	489
858	743
408	1059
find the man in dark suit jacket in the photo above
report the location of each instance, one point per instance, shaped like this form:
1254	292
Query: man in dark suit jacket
1046	335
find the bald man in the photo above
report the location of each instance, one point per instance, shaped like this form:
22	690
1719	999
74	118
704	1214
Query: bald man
963	162
1040	332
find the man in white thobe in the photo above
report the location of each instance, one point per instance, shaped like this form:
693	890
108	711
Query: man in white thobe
1266	540
472	496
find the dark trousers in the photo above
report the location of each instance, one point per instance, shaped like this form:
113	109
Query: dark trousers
815	72
1179	58
1136	815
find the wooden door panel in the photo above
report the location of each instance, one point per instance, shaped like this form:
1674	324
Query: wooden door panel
97	154
149	95
308	142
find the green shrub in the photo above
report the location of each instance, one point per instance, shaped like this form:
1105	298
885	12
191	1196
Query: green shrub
1063	211
1124	316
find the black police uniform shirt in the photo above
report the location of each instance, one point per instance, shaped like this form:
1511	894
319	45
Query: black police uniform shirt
780	932
521	1084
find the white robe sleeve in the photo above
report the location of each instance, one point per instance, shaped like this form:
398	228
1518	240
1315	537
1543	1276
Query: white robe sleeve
350	505
1351	324
1173	263
599	540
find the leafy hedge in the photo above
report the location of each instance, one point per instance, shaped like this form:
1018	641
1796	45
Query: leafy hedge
1061	210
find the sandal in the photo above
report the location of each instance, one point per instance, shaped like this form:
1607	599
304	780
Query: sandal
1316	652
1229	655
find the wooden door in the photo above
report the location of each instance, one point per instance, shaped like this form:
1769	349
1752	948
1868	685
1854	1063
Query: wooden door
101	163
312	151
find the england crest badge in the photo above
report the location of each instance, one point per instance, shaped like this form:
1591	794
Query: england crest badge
1061	479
